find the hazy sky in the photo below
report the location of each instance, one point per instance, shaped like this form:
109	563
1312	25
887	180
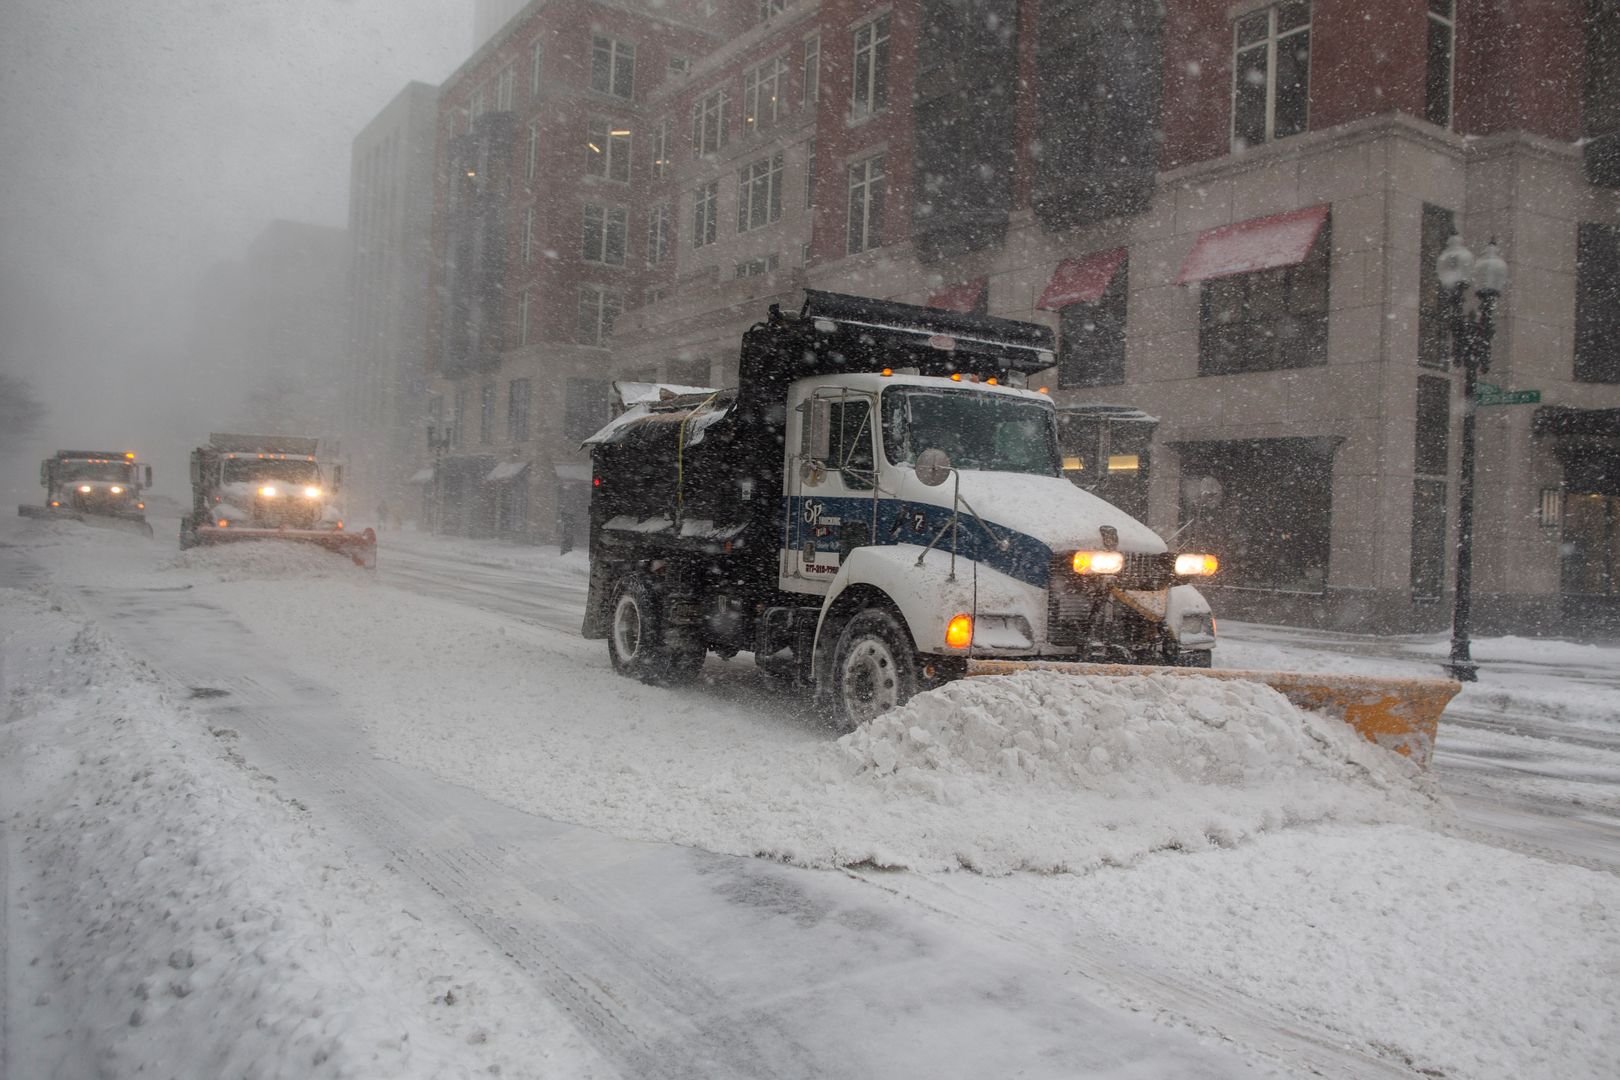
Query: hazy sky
142	141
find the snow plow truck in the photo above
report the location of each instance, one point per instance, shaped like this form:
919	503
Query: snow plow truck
94	486
878	507
269	487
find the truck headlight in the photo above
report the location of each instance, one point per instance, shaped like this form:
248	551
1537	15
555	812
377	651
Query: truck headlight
84	489
312	492
1098	562
116	490
1196	565
268	491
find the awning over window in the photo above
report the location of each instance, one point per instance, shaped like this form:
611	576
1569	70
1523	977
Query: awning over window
422	476
964	297
1081	281
506	470
1257	244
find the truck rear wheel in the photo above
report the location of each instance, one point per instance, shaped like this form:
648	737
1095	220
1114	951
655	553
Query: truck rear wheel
637	643
874	668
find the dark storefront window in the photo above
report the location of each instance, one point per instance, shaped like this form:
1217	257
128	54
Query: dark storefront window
1272	524
1433	347
1597	304
1268	319
1091	338
517	410
1433	425
1428	539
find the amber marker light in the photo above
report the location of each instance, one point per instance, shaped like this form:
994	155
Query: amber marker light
224	524
1098	562
959	631
1196	565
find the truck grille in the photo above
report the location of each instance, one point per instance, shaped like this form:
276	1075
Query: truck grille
1079	608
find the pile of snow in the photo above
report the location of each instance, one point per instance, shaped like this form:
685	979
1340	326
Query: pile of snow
260	560
171	914
1058	772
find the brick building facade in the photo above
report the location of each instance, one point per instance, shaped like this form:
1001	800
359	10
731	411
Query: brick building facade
1229	213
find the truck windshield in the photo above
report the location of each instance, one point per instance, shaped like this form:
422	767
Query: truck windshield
262	470
116	472
983	431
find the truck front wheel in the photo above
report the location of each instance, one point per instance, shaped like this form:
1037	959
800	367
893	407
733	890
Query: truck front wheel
636	639
874	668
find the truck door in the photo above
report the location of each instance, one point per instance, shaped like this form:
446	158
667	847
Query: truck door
831	502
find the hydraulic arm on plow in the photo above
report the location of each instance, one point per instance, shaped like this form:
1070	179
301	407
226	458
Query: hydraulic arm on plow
269	487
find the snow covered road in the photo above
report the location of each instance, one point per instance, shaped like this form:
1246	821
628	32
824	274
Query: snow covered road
578	851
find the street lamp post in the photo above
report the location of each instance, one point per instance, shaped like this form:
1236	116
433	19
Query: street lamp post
1471	333
439	437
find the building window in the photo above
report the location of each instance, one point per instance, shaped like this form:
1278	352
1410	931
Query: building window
1091	337
656	293
587	405
599	306
525	309
486	413
1597	304
660	233
535	52
613	67
812	70
1428	570
679	67
1267	319
765	264
605	233
769	9
517	410
1433	343
475	106
1437	76
1433	432
765	94
705	214
528	235
459	426
660	150
759	193
534	152
810	173
505	85
804	253
607	150
866	189
1271	74
870	85
709	122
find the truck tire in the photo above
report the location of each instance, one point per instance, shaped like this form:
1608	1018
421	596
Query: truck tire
874	668
1200	658
188	534
636	642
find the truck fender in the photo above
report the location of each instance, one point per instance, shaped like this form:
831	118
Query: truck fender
922	595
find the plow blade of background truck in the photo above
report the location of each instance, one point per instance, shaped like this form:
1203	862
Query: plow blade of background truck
1399	714
359	546
128	522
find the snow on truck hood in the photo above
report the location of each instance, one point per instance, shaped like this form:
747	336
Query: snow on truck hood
1048	509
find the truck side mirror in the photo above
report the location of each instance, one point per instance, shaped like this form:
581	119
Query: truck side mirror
196	472
933	466
820	431
337	478
45	473
149	476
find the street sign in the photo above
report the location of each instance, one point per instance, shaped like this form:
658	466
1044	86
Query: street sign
1487	394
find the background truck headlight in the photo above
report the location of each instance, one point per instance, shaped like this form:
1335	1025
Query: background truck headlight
268	491
1196	565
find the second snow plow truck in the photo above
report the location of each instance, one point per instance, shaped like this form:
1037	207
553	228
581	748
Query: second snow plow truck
879	507
93	486
269	487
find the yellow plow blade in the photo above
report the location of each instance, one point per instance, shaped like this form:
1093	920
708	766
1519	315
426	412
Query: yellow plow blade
1399	714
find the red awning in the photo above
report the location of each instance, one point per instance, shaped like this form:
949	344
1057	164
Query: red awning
1081	281
1257	244
964	298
